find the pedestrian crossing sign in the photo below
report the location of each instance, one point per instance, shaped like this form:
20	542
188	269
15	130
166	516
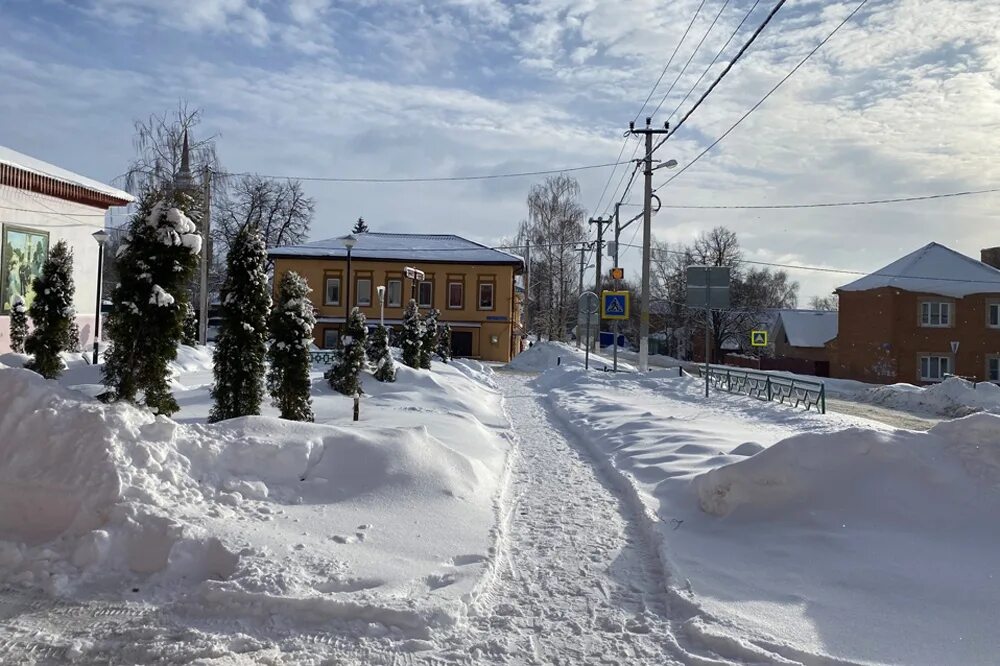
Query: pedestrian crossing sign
614	305
758	338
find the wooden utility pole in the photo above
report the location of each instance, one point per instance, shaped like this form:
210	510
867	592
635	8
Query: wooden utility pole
206	256
601	224
527	287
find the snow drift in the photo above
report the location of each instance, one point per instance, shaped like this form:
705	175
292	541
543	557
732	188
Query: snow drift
545	355
952	397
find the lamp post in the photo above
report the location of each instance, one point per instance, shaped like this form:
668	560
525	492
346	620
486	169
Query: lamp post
381	305
101	236
349	242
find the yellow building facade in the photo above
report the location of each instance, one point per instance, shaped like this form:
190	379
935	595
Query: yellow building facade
472	286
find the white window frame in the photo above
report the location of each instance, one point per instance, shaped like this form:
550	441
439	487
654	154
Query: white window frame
326	291
991	308
420	294
943	367
357	294
493	295
461	295
389	302
927	312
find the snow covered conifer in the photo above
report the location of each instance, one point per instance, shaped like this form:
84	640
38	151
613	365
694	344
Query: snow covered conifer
381	356
291	323
238	359
444	343
155	264
411	337
343	375
360	227
52	313
429	338
18	324
190	334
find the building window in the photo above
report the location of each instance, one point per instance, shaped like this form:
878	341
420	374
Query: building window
364	296
331	337
394	294
934	368
935	314
332	291
486	296
993	315
425	294
993	369
456	295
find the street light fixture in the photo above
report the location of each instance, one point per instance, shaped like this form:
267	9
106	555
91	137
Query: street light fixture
101	236
348	241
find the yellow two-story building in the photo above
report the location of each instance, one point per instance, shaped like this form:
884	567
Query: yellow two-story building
473	286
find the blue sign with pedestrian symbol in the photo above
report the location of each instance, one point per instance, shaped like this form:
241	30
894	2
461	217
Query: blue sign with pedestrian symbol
614	304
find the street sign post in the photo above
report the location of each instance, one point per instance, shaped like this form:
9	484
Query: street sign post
758	338
708	288
588	303
614	305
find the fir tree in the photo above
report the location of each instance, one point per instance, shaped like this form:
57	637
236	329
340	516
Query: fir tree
360	227
381	356
412	334
292	322
155	265
73	337
239	352
18	324
343	375
444	343
429	338
189	336
52	313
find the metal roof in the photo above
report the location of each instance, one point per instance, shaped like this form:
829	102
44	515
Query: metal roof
437	248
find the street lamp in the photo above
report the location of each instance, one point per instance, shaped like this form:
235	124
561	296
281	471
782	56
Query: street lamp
101	236
381	304
349	241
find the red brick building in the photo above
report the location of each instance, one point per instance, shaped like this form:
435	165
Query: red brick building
932	313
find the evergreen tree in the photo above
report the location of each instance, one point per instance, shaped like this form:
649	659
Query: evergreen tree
155	264
429	338
412	334
343	375
444	343
18	324
189	336
73	337
239	352
292	322
360	227
381	356
52	313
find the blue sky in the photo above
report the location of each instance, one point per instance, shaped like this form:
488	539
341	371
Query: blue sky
903	101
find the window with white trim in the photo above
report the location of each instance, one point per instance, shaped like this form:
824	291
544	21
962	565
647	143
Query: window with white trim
934	368
993	369
935	314
364	296
993	315
456	295
425	294
394	289
332	291
486	296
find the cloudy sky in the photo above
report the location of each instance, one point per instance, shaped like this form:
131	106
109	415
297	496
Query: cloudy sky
904	100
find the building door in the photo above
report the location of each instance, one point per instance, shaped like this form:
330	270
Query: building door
461	343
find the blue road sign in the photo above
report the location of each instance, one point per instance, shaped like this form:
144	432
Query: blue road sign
614	305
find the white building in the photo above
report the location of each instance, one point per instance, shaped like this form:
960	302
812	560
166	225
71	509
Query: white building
41	204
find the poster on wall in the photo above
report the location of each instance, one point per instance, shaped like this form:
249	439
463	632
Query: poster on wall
22	255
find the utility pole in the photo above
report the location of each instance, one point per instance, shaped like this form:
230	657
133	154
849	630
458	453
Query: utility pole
527	287
583	252
647	232
601	224
206	239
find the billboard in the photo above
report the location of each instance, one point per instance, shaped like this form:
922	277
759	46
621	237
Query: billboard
22	254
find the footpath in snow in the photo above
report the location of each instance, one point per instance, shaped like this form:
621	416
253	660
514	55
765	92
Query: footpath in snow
794	537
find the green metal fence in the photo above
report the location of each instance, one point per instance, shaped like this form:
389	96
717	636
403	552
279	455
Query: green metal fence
771	388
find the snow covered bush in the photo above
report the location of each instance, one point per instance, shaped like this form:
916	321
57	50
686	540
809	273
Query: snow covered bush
238	359
429	338
444	343
343	375
52	313
381	357
411	337
291	324
156	262
18	324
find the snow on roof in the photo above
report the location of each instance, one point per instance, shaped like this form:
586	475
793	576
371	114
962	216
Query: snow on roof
443	248
808	328
33	165
933	269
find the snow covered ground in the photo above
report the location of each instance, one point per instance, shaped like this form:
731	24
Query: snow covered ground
545	355
791	537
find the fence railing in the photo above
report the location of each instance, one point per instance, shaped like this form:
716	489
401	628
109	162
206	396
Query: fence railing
771	388
323	357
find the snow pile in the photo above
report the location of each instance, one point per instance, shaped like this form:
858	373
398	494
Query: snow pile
790	536
544	355
952	397
389	523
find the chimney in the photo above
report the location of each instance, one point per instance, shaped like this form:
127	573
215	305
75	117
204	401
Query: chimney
991	256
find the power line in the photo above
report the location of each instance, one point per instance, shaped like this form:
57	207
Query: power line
835	204
611	176
763	99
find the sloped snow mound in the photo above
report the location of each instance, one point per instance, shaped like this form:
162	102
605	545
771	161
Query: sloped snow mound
952	397
950	474
545	355
192	359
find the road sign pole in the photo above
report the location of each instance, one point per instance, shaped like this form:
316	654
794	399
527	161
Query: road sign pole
708	323
614	332
586	356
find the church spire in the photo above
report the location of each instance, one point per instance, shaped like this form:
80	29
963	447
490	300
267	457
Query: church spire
183	180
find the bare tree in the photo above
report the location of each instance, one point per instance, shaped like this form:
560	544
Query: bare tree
831	302
555	228
279	208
